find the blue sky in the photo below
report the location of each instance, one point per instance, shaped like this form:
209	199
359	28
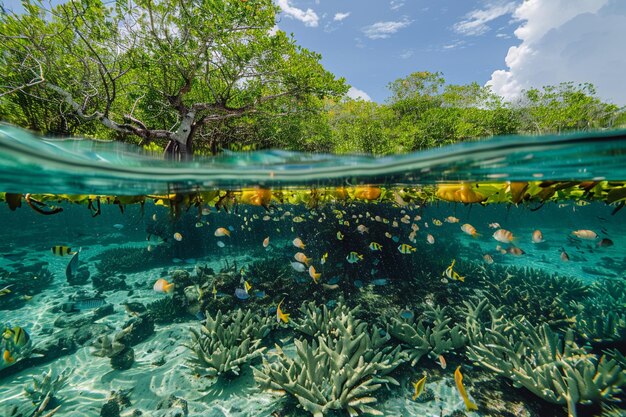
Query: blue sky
509	44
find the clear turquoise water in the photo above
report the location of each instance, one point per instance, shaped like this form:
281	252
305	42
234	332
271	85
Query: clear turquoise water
125	248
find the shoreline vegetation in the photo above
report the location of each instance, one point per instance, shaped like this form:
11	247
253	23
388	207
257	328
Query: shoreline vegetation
217	75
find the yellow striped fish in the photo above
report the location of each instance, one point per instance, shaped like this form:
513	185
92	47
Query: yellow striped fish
60	250
374	246
404	248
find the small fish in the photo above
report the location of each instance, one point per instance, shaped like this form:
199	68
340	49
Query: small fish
354	257
469	229
221	244
330	286
442	362
451	274
406	249
514	250
503	236
280	316
407	314
118	226
298	243
313	274
266	218
564	255
430	239
585	234
161	285
154	217
388	235
419	387
488	259
17	335
451	219
362	229
6	290
205	211
60	250
537	236
221	231
266	242
324	258
374	246
437	222
298	219
214	292
301	257
178	236
604	243
247	286
298	266
494	225
458	379
241	293
380	282
199	224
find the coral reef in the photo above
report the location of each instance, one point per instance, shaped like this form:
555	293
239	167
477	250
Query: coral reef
45	386
432	335
25	282
131	259
548	364
226	342
340	370
317	321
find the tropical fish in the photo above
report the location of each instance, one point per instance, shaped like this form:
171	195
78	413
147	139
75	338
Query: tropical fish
362	229
199	224
503	236
178	236
220	244
6	290
313	274
388	235
458	379
118	226
451	219
161	285
297	242
298	219
222	231
247	286
374	246
72	267
494	225
605	243
324	258
354	257
469	229
442	362
537	236
301	257
60	250
488	259
437	222
419	387
514	250
241	293
451	274
298	266
330	286
280	316
585	234
380	282
406	249
266	242
564	255
430	239
17	336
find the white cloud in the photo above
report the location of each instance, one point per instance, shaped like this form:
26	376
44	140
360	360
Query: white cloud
566	40
476	22
308	17
340	16
406	54
396	4
382	30
356	94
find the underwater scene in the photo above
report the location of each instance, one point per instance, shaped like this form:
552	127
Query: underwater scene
482	279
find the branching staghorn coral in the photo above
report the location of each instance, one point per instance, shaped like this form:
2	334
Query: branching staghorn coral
602	317
550	366
341	370
319	320
45	387
432	335
227	342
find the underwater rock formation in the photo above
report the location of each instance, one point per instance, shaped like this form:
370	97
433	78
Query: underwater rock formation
131	259
226	342
433	335
549	365
23	284
341	370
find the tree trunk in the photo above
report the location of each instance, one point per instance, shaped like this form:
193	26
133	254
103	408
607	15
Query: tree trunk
180	146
